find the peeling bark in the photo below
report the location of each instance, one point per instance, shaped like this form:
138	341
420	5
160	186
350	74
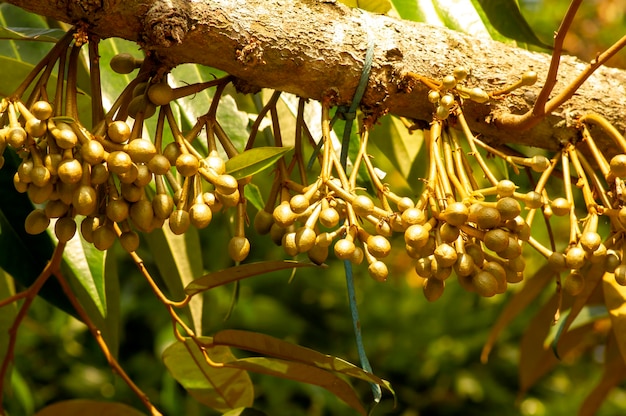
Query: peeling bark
314	47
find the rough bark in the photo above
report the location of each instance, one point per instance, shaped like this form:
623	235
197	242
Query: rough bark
315	47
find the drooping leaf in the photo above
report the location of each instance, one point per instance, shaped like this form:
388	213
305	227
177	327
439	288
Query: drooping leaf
462	16
86	263
274	347
27	52
179	260
7	314
220	388
32	34
614	374
589	314
615	301
400	146
528	293
242	271
506	17
253	195
304	373
81	407
244	411
255	160
373	6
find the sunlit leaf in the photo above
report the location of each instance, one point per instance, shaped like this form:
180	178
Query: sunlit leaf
242	271
615	301
220	388
81	407
587	315
304	373
274	347
244	411
179	260
614	374
28	33
533	286
461	15
373	6
7	313
406	9
506	17
254	160
253	195
87	266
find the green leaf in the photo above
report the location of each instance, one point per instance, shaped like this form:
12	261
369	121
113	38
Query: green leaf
532	288
253	195
372	6
232	120
80	407
587	315
179	260
254	160
7	314
29	52
461	15
86	263
242	271
615	301
29	33
220	388
407	9
244	411
506	17
274	347
304	373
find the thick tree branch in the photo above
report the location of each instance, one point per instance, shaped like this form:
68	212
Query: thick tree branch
316	47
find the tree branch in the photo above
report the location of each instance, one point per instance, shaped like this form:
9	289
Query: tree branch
315	47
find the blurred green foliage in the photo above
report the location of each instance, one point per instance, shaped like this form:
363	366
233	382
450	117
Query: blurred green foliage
429	352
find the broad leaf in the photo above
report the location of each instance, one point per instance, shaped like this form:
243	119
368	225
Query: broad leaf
506	17
614	374
253	195
461	15
528	293
373	6
615	301
29	33
29	52
86	264
7	314
304	373
81	407
220	388
274	347
587	315
179	260
242	271
244	411
254	161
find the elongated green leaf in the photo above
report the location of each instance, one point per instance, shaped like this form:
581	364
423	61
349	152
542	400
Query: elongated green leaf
179	260
253	195
28	33
7	314
528	293
373	6
242	271
28	52
614	374
586	316
506	17
81	407
254	161
244	411
615	301
407	9
461	15
86	264
220	388
304	373
274	347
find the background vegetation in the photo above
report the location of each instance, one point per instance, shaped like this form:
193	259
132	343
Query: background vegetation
429	352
